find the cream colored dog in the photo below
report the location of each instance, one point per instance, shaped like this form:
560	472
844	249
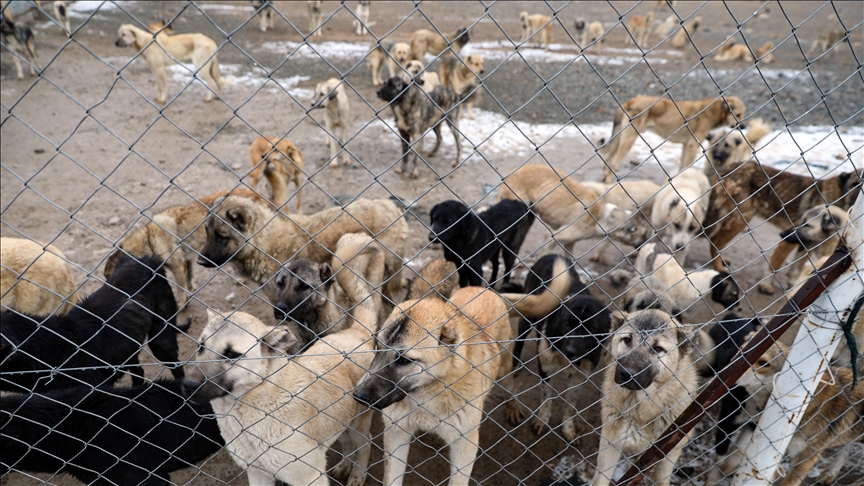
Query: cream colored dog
428	80
535	22
331	96
462	75
400	53
35	279
729	147
679	209
690	27
198	48
281	162
314	7
588	32
635	196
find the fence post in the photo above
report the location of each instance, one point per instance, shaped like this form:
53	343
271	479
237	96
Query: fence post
808	357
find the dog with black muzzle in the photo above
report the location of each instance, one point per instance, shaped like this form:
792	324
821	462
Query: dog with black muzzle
651	380
436	362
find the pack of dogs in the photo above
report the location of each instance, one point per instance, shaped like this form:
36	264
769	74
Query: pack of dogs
355	340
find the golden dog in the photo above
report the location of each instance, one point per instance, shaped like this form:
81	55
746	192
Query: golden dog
35	279
534	23
280	161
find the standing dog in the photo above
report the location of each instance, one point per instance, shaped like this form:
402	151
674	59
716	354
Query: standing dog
35	279
562	202
588	33
534	23
20	42
281	162
266	15
686	32
684	122
436	362
639	29
730	147
61	13
826	41
462	75
331	96
361	23
416	112
166	49
314	7
666	27
415	71
391	54
651	381
425	41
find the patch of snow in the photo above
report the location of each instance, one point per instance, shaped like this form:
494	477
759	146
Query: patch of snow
242	76
326	50
84	9
221	6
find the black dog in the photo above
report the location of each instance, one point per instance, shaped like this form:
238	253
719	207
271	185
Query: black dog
470	240
131	435
104	331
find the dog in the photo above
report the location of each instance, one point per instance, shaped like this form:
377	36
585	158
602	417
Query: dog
679	209
35	279
462	75
315	24
636	196
331	96
731	51
266	14
279	413
175	235
391	54
426	41
667	26
650	382
61	13
752	189
417	112
257	241
562	202
439	278
531	24
93	434
166	49
816	236
428	80
588	33
686	32
436	362
470	240
729	148
21	43
100	336
763	53
664	117
639	29
308	298
361	22
825	42
281	162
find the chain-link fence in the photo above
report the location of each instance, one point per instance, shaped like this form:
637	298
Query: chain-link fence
658	179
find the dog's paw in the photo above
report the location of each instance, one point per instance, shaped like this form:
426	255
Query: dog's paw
415	173
538	425
596	258
160	101
346	162
515	413
569	430
766	287
342	470
398	170
334	164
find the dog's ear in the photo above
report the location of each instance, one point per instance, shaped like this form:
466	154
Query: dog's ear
449	336
617	319
279	341
240	218
722	109
828	225
674	202
687	343
738	141
324	273
710	138
212	315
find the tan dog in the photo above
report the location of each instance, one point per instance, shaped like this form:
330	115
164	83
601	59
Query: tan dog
667	26
462	75
636	196
198	48
361	22
563	205
588	33
679	209
729	147
436	362
639	28
763	53
690	27
826	41
35	279
331	96
664	117
256	240
314	7
650	382
425	41
438	278
415	70
399	52
531	24
175	236
281	162
816	236
730	51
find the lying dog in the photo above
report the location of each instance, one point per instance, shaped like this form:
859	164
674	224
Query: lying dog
470	240
651	381
415	71
763	53
417	112
679	210
331	96
135	435
532	24
639	29
35	279
315	28
436	362
588	33
389	54
564	205
426	41
266	14
281	162
686	32
664	117
438	278
730	147
731	51
462	75
20	42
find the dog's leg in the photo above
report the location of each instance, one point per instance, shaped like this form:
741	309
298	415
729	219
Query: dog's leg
833	472
552	377
189	285
334	144
17	65
625	142
437	130
343	138
298	181
359	432
204	72
177	264
688	154
453	123
405	138
278	185
463	453
257	477
664	470
607	460
775	265
396	443
802	464
577	378
161	83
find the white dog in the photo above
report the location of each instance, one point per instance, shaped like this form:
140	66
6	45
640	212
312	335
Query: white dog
331	96
315	18
679	210
362	20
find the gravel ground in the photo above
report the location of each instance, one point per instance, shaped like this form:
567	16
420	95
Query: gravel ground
84	152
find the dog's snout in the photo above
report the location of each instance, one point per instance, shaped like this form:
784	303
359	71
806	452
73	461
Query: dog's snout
362	398
281	310
205	262
622	375
432	236
680	246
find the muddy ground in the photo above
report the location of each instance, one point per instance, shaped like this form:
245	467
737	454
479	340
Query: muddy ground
85	152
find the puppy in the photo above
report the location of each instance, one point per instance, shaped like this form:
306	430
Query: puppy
281	162
664	117
639	29
331	96
266	15
650	382
429	80
426	41
434	365
198	48
361	22
399	52
679	209
730	147
588	33
314	7
470	240
20	41
61	13
35	279
826	41
730	51
686	32
416	112
536	22
462	75
439	278
564	203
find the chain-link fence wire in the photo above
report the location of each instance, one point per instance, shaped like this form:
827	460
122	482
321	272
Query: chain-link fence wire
592	386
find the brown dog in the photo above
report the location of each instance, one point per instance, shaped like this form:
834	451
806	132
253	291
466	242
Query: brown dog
639	28
664	117
35	279
423	41
826	41
730	51
763	53
439	278
389	55
281	162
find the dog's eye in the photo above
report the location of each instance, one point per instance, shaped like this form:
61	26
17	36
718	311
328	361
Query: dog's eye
300	287
403	360
677	226
659	349
627	340
762	363
231	354
693	228
280	283
631	229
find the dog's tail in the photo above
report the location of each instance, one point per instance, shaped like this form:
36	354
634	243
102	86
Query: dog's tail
214	71
539	306
756	131
360	280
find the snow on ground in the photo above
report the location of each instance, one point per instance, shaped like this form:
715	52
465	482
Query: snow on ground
240	76
83	9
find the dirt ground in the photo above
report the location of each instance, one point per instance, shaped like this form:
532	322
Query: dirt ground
86	154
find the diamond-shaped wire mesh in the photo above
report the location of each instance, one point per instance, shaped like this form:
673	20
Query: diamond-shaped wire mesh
231	252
